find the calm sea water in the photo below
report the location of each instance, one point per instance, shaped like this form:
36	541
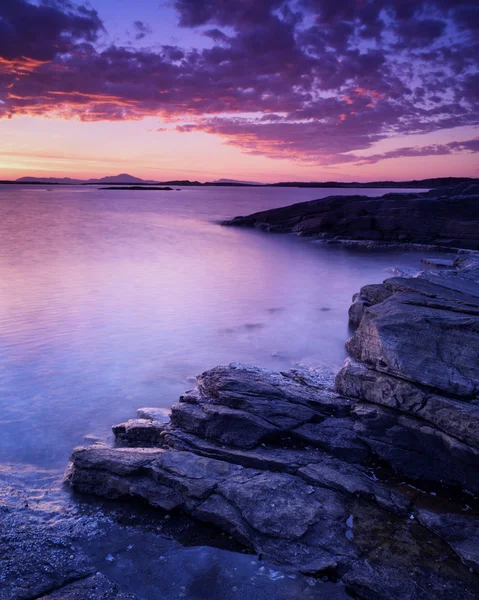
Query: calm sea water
112	300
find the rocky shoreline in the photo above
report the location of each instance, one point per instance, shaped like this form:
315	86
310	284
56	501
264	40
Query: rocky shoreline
369	477
443	217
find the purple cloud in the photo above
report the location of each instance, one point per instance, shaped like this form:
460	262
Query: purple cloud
312	80
42	32
468	146
141	30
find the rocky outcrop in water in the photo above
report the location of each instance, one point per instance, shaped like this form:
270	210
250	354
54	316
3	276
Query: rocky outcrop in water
442	217
371	478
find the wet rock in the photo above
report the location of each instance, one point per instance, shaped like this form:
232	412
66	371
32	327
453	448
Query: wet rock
276	513
139	433
460	531
94	587
35	558
411	565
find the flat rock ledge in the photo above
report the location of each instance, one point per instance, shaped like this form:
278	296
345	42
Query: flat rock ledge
441	217
370	477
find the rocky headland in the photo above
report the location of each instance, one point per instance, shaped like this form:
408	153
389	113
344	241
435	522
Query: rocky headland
442	217
369	477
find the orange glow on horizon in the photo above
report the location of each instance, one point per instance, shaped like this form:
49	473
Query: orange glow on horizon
41	146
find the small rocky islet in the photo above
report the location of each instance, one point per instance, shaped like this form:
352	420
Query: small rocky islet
368	477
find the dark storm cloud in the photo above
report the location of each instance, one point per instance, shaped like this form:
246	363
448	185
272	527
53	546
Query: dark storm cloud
42	32
313	80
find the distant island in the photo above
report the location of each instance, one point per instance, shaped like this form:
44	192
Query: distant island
150	188
124	179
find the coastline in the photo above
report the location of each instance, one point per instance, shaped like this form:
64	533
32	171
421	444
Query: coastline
329	501
444	218
373	474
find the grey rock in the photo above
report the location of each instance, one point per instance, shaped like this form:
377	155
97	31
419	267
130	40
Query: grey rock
140	433
457	418
415	449
225	425
433	347
241	387
163	478
357	481
296	523
336	436
268	458
368	296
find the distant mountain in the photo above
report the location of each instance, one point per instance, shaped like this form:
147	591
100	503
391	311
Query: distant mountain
122	178
234	182
62	180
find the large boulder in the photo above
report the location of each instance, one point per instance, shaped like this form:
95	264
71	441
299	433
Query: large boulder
426	336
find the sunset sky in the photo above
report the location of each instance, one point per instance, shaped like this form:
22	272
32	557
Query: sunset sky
263	90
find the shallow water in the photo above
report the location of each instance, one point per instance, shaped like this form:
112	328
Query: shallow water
114	300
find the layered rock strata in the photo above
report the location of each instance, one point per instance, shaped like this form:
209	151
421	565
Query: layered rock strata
442	217
372	477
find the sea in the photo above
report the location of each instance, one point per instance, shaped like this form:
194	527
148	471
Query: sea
112	300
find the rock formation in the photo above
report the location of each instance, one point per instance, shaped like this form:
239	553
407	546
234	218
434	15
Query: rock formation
371	478
442	217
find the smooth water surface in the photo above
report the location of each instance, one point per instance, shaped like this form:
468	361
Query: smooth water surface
113	300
